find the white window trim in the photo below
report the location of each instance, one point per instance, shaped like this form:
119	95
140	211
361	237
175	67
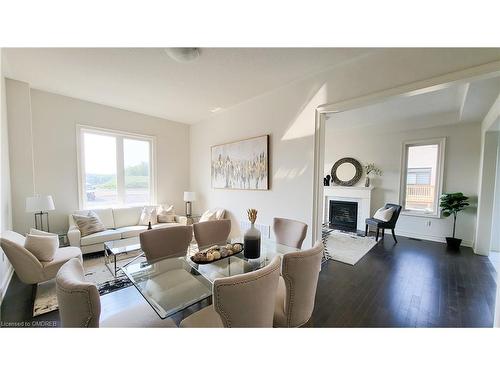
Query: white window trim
439	174
116	133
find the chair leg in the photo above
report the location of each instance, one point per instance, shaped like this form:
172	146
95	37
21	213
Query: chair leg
366	230
376	238
394	235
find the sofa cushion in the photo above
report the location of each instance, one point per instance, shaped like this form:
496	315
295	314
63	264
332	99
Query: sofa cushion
131	231
127	216
165	225
104	214
107	235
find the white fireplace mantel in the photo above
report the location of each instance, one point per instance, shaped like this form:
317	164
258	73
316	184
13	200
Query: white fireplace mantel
359	194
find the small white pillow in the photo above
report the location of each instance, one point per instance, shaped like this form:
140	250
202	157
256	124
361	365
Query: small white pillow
219	214
384	214
42	247
208	216
42	233
148	215
166	214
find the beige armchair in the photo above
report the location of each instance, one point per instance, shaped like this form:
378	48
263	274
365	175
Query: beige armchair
245	300
213	232
29	269
80	304
289	232
297	287
164	243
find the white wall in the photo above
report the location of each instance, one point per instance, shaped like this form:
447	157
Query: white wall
54	119
495	224
5	202
287	114
384	148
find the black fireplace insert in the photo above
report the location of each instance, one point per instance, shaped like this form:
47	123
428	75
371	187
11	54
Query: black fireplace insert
343	215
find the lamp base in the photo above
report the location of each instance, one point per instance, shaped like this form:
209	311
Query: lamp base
39	221
188	209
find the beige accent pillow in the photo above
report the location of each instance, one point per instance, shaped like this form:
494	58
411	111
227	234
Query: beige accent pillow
166	214
89	224
42	247
384	214
42	233
219	214
208	215
148	215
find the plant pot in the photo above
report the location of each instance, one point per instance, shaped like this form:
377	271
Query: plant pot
453	243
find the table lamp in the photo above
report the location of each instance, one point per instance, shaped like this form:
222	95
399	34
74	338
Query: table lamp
40	205
189	197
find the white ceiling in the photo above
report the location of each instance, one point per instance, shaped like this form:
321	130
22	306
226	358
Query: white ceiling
146	80
465	103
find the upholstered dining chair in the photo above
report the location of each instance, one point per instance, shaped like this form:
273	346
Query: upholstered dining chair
29	269
379	224
297	287
80	304
245	300
164	243
214	232
289	232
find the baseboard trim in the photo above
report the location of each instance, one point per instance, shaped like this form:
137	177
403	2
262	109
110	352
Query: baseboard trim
428	237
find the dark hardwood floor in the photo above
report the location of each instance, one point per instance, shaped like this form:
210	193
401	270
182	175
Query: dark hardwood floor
410	284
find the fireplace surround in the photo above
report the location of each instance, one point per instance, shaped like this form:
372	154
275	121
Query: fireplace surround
359	194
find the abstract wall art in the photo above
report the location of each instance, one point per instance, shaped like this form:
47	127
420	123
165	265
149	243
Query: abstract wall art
241	165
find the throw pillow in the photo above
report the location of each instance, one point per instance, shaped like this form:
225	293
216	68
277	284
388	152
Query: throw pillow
148	215
219	214
89	224
42	233
208	216
42	247
166	214
384	214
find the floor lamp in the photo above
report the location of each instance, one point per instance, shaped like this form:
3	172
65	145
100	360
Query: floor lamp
40	205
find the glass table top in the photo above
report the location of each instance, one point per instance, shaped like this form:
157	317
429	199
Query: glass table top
171	285
123	245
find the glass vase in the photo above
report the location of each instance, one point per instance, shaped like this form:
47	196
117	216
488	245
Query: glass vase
251	243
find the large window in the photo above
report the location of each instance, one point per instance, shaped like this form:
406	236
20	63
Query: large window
421	180
115	168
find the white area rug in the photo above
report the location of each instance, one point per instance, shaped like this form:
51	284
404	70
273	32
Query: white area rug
95	271
347	247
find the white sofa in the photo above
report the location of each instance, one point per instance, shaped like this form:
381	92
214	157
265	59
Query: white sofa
119	222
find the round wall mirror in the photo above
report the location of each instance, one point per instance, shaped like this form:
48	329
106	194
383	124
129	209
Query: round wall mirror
346	172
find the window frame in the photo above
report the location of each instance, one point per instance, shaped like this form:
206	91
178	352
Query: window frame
441	143
120	172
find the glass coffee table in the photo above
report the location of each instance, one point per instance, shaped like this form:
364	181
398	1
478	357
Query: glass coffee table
171	285
118	247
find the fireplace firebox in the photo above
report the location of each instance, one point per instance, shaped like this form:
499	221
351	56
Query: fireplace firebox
343	215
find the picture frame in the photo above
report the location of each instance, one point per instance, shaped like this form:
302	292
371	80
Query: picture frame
241	165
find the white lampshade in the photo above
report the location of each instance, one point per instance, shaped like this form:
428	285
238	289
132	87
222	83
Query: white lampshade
39	203
189	196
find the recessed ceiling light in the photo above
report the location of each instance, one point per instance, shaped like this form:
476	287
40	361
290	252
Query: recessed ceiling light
183	55
216	109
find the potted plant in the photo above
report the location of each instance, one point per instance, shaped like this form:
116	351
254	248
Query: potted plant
371	168
452	204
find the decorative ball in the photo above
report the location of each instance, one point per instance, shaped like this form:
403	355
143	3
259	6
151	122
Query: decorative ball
230	252
210	257
237	247
216	255
229	246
